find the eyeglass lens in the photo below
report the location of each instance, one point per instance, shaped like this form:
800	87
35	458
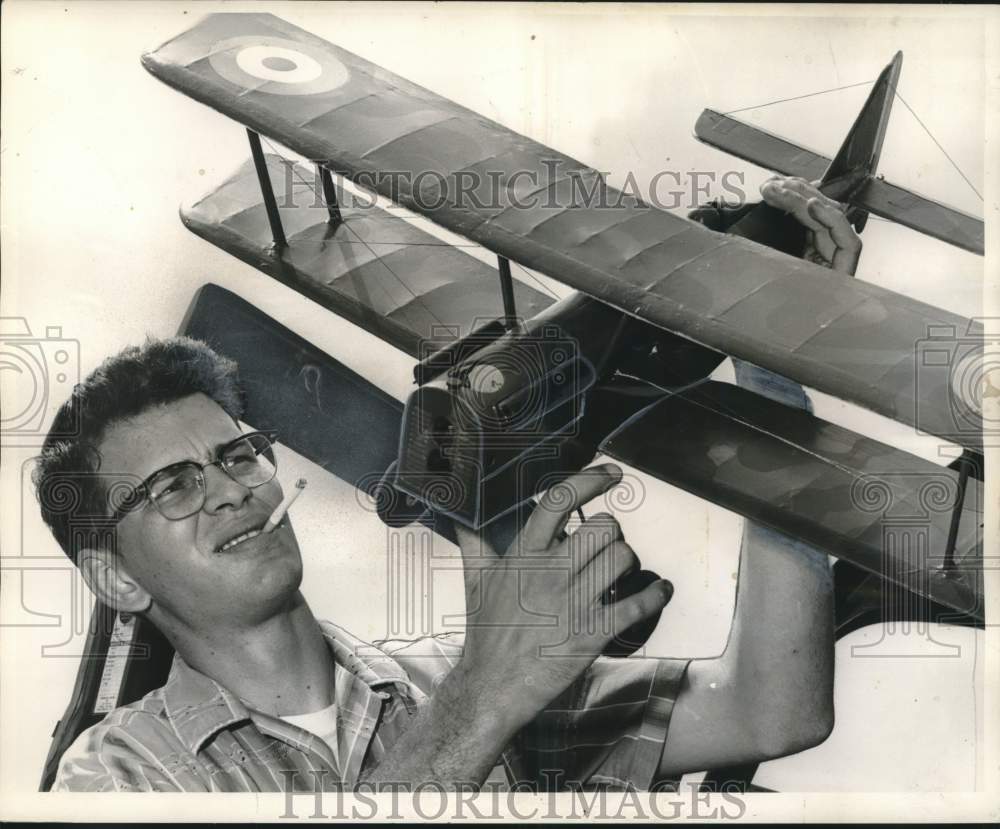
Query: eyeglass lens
179	491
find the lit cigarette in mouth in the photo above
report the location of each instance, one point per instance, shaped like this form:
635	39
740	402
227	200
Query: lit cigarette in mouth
284	506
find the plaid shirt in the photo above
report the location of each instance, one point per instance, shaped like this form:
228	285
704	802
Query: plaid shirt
193	734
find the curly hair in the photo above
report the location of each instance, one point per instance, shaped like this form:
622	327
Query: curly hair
70	491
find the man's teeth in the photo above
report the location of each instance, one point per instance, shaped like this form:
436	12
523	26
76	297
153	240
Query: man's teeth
239	539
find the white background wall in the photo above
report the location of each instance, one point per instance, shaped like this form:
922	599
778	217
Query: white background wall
96	155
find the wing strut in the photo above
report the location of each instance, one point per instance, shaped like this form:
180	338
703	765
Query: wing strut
964	464
507	293
273	217
330	196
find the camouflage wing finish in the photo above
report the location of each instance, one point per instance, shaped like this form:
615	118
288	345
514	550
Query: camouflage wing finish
878	507
373	268
473	176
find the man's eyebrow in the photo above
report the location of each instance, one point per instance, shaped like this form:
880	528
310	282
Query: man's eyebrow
206	459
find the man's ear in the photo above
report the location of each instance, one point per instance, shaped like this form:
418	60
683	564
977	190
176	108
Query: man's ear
107	577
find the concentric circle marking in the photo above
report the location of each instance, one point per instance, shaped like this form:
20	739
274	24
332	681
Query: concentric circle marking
278	66
274	63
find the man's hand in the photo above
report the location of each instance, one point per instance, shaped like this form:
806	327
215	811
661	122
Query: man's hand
832	240
535	616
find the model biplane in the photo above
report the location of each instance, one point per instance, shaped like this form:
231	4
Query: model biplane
513	389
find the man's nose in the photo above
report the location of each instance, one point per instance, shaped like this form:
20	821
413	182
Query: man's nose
222	491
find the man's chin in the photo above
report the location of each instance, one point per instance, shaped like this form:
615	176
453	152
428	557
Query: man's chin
275	589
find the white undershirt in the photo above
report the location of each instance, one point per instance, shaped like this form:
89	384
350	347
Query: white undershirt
322	723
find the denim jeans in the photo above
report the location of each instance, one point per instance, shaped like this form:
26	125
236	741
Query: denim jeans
781	389
768	384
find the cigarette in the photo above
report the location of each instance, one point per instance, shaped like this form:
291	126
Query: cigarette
283	507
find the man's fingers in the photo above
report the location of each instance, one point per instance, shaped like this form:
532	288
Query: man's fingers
642	605
473	545
809	190
560	501
605	569
789	200
592	536
846	245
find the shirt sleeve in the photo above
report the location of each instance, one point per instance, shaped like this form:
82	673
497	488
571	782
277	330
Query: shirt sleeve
607	729
104	759
427	660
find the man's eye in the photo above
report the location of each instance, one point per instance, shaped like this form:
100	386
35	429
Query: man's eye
242	459
167	489
241	456
174	487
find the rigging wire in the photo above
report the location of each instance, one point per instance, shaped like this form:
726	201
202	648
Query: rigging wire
368	244
351	230
799	97
938	144
895	91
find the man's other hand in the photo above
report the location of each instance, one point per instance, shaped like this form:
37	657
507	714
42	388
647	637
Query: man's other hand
536	617
832	240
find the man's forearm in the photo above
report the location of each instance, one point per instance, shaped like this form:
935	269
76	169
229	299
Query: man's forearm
781	649
455	739
770	693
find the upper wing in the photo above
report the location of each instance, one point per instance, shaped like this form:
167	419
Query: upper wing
529	203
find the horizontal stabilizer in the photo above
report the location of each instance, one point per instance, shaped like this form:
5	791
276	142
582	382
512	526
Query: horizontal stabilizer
877	196
884	199
875	506
759	147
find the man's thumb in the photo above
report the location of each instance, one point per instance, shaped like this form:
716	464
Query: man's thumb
473	543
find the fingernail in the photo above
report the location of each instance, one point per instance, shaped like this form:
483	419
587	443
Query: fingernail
667	588
612	469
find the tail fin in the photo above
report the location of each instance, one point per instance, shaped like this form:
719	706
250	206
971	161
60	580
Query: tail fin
850	177
858	156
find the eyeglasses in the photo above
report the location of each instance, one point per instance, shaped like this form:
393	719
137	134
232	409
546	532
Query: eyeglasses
178	491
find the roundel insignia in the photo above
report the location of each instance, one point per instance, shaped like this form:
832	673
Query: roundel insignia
278	66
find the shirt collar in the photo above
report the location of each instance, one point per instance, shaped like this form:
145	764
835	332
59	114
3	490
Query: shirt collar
199	707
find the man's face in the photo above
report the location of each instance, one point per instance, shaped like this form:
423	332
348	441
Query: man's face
180	563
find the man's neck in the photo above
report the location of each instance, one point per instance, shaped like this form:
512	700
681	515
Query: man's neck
279	666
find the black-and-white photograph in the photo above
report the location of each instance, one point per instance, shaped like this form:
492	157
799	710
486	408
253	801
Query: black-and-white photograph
520	411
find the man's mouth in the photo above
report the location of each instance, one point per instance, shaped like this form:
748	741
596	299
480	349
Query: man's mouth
242	537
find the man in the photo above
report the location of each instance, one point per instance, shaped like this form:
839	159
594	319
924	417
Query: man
263	696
